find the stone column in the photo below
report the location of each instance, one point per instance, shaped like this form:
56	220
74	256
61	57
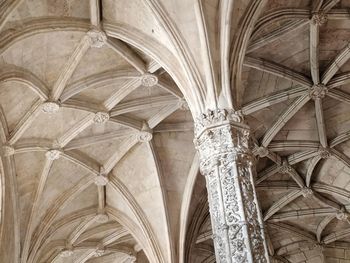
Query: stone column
222	140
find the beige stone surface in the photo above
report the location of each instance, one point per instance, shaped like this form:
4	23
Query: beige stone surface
74	110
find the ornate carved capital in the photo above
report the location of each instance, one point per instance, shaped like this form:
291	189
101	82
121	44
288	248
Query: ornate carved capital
149	80
218	117
50	107
97	38
318	91
101	117
319	18
219	134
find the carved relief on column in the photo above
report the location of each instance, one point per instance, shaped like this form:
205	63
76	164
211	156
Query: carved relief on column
226	161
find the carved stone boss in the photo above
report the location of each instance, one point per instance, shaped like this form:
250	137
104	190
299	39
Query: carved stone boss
226	161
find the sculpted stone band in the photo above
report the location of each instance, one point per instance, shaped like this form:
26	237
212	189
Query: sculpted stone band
223	142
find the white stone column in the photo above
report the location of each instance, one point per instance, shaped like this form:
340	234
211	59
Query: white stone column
226	161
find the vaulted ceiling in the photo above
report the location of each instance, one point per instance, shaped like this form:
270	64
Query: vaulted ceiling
97	99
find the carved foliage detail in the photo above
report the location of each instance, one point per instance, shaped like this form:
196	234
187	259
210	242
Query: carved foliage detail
226	161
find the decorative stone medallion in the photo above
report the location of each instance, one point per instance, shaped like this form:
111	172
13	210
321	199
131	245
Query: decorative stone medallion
342	215
97	38
53	154
262	152
306	192
131	259
145	135
149	80
285	168
101	117
101	180
318	91
183	105
101	218
65	253
99	252
324	153
7	150
319	18
50	107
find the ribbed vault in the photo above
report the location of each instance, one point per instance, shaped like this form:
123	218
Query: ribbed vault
97	98
294	92
83	114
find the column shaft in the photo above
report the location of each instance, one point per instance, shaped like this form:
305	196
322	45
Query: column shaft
222	140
